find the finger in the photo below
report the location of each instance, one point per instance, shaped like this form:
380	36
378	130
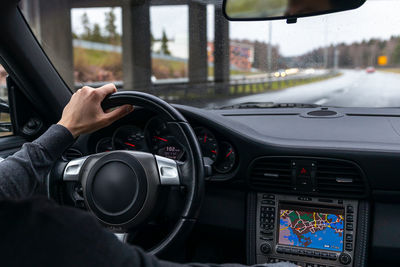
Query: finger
118	113
107	89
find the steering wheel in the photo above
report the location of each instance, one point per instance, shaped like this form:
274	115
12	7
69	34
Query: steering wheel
120	188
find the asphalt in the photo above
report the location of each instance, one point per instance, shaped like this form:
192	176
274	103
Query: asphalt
354	88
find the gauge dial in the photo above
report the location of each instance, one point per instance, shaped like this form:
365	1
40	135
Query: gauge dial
161	140
104	145
208	143
129	137
227	158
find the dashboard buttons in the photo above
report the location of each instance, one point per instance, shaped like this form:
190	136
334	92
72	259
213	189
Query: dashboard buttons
344	258
349	218
265	248
349	246
349	237
349	227
350	209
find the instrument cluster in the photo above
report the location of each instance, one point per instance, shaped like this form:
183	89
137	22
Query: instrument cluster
158	138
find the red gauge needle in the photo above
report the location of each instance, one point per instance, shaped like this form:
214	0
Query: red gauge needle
205	138
129	144
162	139
230	152
213	151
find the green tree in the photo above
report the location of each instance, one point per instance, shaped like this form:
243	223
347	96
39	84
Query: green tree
164	44
86	27
96	35
111	27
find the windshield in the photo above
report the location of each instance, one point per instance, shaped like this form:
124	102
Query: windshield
190	54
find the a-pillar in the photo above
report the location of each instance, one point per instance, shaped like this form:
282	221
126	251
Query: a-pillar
136	45
221	52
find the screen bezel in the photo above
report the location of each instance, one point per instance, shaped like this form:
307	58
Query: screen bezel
308	208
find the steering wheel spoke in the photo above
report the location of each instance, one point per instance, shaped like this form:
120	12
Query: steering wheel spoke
73	168
168	171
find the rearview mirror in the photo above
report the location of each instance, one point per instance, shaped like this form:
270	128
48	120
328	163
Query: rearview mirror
284	9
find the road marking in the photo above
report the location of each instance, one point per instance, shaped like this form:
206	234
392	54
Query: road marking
321	101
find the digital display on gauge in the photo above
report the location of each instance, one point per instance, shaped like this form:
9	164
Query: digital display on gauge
171	152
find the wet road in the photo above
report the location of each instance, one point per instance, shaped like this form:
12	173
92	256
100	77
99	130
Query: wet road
351	89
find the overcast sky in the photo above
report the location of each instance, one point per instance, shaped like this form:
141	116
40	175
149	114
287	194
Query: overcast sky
376	19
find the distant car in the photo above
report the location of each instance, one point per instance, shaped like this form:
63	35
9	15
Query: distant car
370	70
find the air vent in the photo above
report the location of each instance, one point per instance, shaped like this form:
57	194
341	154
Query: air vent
72	153
271	173
330	177
339	177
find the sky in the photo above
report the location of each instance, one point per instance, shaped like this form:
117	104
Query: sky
375	19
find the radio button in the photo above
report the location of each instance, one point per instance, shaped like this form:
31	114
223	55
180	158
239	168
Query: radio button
349	218
349	246
294	251
279	249
332	256
309	253
349	227
317	254
350	209
349	237
324	255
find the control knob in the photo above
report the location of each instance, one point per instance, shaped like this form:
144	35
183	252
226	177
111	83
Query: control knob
265	248
344	258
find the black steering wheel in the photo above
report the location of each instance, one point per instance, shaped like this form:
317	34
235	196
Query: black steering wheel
120	188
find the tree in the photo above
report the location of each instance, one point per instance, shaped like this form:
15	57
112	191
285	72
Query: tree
86	27
111	28
164	44
96	35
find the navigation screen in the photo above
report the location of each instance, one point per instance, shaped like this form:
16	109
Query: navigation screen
311	228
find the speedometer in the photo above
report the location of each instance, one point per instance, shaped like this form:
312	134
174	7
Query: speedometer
129	137
162	141
208	143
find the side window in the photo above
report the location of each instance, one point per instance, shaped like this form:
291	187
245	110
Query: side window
5	121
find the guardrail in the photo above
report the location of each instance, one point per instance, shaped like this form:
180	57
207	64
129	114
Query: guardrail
179	89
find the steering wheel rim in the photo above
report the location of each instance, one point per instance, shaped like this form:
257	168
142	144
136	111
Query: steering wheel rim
191	171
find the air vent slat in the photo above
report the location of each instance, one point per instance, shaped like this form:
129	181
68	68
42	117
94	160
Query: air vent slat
333	177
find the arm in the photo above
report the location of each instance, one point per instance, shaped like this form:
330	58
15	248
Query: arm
24	172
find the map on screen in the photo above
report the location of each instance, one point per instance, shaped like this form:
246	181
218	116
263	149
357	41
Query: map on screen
309	229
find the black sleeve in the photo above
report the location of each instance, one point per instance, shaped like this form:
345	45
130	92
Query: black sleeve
22	173
38	232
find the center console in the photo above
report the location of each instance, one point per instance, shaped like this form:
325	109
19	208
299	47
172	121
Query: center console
308	231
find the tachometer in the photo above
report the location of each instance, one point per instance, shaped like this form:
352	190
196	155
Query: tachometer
208	143
227	158
129	137
104	145
161	140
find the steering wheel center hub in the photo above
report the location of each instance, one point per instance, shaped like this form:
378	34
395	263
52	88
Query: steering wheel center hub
115	188
120	187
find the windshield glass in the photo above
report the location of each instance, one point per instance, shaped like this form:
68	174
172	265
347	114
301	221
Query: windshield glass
190	54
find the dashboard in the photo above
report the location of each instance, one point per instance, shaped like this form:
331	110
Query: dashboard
341	169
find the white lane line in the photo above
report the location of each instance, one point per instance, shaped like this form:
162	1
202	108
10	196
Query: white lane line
321	101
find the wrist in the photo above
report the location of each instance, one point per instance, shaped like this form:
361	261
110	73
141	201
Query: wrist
74	132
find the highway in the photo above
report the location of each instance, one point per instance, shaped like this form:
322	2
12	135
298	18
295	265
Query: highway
354	88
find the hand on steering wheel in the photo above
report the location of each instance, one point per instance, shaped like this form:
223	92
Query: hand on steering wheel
120	188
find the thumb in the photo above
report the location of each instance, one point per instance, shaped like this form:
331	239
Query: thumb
118	113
